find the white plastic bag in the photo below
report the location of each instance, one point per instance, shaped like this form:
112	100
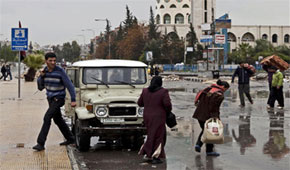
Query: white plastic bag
213	131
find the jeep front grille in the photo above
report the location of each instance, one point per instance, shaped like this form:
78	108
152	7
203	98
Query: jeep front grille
122	111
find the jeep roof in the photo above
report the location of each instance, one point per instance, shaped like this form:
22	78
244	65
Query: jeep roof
109	63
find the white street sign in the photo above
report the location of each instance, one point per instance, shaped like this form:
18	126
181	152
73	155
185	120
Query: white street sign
220	39
189	49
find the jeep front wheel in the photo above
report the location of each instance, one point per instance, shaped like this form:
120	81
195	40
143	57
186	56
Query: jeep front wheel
82	140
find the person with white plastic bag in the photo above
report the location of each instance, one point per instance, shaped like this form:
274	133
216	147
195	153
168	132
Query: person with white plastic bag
208	103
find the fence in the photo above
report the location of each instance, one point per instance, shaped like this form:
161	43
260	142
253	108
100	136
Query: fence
202	67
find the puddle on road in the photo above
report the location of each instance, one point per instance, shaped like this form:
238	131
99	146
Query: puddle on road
233	93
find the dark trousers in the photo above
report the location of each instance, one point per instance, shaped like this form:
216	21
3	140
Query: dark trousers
276	94
4	75
209	147
54	113
270	87
244	88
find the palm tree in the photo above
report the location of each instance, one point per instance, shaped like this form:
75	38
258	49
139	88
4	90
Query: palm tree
34	62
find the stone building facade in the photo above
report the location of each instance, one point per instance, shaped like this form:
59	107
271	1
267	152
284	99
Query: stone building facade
177	14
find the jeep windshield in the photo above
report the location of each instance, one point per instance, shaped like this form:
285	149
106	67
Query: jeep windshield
114	75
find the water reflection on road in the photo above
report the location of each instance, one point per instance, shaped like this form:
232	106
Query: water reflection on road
255	138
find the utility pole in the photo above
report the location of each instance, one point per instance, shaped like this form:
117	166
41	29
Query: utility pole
109	35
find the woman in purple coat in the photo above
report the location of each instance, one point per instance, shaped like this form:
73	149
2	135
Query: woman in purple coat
156	102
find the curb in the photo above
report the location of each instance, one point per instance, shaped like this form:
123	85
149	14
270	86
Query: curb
71	156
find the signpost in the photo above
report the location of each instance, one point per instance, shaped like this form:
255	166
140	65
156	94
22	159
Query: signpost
19	42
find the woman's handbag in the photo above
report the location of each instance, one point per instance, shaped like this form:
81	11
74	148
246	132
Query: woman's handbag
170	120
213	132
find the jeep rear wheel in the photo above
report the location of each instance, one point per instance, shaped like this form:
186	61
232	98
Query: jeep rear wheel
82	140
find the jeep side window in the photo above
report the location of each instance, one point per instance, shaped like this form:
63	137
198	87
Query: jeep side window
73	76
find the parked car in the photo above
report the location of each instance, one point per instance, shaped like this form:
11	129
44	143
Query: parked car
107	92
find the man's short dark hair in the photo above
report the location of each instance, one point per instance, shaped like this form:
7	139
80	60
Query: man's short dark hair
49	55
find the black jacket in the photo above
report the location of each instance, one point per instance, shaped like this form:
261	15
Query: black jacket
243	74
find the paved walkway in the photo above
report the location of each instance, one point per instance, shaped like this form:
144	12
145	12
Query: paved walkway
20	123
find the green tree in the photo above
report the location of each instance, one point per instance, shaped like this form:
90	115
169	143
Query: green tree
34	62
30	49
192	41
172	48
7	54
128	23
76	51
58	53
67	51
152	34
154	46
244	53
92	47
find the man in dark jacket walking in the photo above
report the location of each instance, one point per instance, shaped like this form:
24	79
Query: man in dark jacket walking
244	74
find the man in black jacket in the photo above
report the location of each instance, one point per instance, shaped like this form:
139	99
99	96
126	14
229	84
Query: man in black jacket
244	74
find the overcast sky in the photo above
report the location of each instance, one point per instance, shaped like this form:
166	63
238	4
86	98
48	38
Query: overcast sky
59	21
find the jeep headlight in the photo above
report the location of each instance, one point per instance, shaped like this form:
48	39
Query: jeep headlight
101	111
140	111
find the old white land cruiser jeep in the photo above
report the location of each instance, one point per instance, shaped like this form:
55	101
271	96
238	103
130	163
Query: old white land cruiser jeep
106	93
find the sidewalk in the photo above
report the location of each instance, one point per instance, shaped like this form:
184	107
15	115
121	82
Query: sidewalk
20	123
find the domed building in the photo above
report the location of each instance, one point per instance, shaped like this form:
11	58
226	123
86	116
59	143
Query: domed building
177	14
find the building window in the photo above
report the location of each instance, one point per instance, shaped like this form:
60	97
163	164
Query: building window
248	37
274	38
185	6
158	19
286	38
161	7
172	6
166	1
167	19
179	19
231	37
158	1
179	0
205	4
264	37
205	17
189	18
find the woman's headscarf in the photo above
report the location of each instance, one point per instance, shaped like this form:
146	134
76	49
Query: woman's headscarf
155	84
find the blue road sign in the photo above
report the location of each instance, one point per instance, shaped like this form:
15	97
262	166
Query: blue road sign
19	39
206	38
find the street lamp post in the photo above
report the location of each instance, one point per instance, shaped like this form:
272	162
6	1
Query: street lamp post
109	35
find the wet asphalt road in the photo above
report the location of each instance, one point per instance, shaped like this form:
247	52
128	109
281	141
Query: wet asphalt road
255	138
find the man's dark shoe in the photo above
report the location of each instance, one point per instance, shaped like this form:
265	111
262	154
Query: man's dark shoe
156	161
38	147
241	105
68	142
212	154
197	148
